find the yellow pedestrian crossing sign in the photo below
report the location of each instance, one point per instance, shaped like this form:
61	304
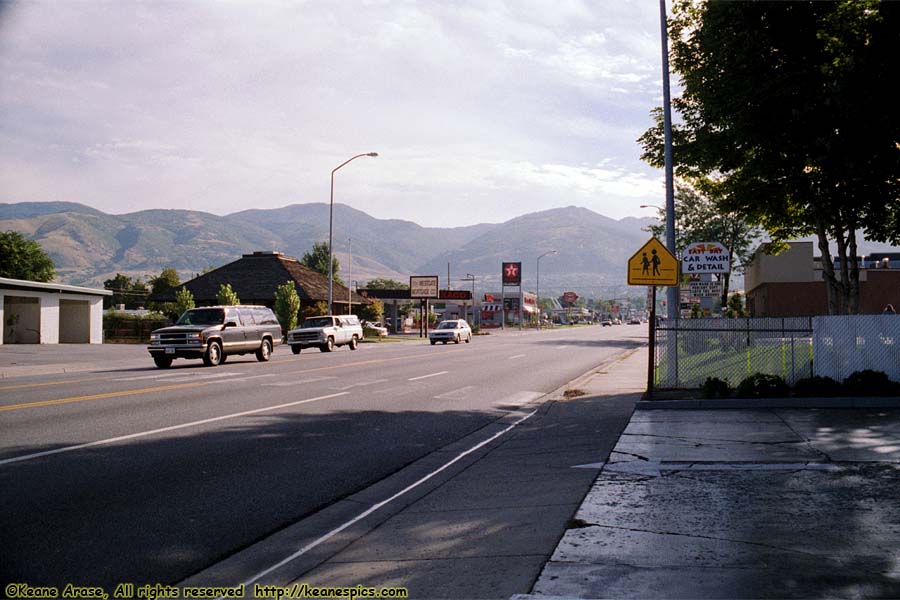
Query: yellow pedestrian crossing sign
653	264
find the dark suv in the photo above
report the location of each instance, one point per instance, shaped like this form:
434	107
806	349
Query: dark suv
215	332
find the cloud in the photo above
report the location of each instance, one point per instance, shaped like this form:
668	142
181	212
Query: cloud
219	106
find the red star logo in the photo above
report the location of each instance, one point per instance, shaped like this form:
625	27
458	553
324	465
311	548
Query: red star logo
512	271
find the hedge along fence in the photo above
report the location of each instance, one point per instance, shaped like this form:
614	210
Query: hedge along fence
119	328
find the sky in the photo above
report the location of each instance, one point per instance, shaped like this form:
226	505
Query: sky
480	111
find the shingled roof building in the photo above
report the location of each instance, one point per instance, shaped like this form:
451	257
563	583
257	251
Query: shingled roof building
255	279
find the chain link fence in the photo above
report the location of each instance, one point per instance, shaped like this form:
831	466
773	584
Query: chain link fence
688	351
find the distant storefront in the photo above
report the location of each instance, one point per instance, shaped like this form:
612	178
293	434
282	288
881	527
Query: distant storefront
515	308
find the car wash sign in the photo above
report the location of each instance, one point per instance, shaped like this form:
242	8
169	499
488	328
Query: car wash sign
706	257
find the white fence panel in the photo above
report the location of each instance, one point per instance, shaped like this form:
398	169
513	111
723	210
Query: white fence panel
845	344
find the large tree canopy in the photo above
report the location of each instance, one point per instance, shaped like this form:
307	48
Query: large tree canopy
21	258
789	107
317	260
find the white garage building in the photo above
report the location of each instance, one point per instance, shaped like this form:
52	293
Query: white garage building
50	313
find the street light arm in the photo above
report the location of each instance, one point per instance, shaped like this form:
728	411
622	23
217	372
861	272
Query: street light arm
352	159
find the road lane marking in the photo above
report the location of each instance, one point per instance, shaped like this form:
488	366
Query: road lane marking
22	386
387	501
240	379
300	381
361	384
427	376
181	374
561	347
459	394
163	388
516	356
141	434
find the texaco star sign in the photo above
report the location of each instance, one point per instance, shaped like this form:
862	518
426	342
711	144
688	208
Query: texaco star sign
512	273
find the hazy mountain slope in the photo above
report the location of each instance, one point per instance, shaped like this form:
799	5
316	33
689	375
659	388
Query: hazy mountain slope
592	250
399	245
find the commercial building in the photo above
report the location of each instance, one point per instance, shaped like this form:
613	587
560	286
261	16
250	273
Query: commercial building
50	313
791	284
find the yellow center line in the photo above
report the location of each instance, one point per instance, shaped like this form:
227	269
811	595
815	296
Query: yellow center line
163	388
22	386
166	388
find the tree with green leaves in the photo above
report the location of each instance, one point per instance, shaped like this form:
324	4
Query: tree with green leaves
21	258
287	306
184	300
386	284
317	260
787	111
736	306
226	296
127	291
165	281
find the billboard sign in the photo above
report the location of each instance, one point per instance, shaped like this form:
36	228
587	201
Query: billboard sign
512	273
570	297
706	257
423	286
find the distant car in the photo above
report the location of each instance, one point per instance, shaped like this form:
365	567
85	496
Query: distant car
617	321
325	333
606	323
213	333
455	330
375	327
634	321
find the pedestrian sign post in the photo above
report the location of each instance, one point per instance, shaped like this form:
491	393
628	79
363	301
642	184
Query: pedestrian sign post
653	264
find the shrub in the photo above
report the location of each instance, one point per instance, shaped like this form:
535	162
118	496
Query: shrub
763	385
714	387
818	387
870	383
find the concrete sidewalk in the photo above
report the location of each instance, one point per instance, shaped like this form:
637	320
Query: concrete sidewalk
764	503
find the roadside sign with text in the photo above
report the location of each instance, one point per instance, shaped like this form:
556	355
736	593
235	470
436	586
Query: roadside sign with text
653	264
423	286
706	257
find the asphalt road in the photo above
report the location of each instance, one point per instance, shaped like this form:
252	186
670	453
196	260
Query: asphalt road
147	475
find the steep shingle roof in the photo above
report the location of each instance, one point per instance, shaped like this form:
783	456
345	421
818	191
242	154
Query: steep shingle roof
255	279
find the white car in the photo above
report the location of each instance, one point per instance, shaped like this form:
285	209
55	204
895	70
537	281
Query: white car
455	330
377	328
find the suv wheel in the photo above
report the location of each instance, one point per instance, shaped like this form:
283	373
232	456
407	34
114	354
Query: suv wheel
456	341
163	362
329	345
354	343
468	338
213	355
296	348
265	351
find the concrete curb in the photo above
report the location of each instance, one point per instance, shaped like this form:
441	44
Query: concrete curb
764	403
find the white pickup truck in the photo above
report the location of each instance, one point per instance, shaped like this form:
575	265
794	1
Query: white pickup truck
325	333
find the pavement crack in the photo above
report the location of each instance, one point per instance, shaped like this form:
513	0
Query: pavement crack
805	439
637	456
709	537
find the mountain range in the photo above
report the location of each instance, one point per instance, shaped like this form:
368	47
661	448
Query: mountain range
89	246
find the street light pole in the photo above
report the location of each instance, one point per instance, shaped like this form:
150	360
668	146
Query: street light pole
470	277
331	229
539	283
349	276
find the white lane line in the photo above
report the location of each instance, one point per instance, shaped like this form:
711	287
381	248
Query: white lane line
427	376
459	394
180	374
300	381
361	384
378	505
238	379
516	356
518	400
561	347
141	434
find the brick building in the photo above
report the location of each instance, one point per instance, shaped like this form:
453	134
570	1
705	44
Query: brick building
791	283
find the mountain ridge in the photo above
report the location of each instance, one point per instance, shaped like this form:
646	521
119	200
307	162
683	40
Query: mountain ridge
89	246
